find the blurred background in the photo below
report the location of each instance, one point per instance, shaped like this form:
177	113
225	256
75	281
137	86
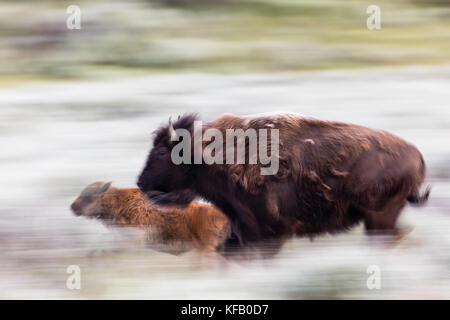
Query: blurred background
77	106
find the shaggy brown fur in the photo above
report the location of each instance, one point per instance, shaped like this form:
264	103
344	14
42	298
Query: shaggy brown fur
201	225
332	176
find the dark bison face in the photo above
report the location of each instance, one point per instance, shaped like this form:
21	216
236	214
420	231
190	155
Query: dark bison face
161	174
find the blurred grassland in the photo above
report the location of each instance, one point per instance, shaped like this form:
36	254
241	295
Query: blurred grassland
216	36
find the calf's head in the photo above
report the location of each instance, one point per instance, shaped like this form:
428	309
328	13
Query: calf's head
88	203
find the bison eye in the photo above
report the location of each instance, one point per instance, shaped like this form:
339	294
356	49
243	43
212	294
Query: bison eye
161	153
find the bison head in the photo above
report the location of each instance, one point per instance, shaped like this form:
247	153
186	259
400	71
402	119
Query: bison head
163	180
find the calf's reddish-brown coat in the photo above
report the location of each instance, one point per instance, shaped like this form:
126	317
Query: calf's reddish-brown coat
200	225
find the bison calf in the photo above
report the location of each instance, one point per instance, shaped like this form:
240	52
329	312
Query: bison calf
199	225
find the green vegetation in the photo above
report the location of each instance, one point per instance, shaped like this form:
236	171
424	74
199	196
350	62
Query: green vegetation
217	36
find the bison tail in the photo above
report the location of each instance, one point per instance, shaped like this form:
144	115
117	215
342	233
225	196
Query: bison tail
419	198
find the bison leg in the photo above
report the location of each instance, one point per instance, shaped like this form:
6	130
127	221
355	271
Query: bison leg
384	221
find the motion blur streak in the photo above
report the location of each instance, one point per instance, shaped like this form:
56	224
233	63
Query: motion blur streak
78	106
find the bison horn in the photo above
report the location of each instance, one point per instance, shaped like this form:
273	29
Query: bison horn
172	132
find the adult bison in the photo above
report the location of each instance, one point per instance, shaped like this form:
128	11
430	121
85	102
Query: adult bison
330	177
